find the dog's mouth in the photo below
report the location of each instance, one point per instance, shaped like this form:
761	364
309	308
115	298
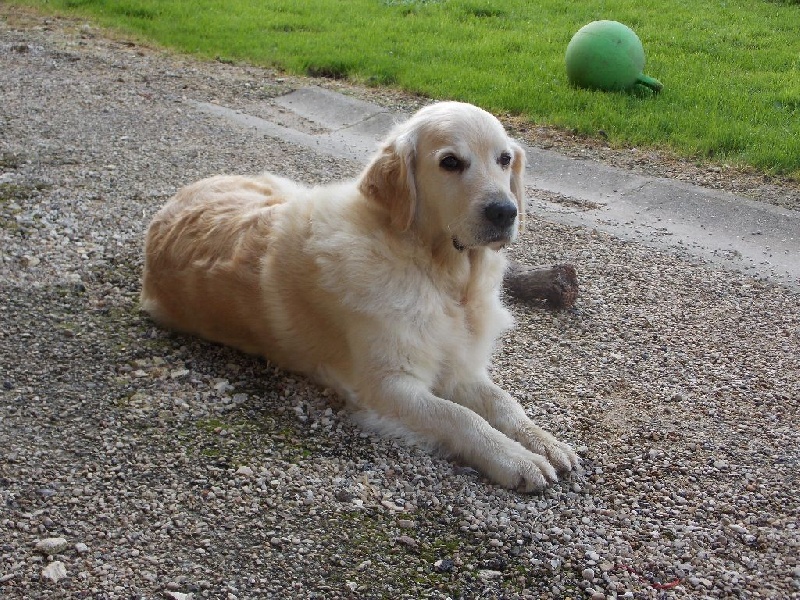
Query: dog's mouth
494	244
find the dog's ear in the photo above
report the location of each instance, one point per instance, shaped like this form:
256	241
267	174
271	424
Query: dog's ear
389	181
518	181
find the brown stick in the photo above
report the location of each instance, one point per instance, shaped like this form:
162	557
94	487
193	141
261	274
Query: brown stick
557	285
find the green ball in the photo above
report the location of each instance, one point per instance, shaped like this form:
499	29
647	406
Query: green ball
608	56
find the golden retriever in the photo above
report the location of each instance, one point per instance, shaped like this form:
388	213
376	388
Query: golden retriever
386	288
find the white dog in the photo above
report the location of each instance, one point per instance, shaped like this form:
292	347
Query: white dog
386	289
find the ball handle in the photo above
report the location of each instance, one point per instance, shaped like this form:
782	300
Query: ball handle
651	82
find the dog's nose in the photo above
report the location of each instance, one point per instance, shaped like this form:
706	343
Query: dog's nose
500	214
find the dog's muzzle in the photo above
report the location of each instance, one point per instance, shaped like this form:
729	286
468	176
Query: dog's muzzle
494	228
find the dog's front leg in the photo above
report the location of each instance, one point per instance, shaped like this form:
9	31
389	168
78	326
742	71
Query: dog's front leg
461	432
507	415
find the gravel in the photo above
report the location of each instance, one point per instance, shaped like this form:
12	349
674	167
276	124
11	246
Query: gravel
138	463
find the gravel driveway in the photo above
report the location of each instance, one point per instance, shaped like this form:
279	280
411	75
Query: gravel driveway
136	463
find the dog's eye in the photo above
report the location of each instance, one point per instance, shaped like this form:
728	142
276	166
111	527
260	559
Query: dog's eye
451	163
504	160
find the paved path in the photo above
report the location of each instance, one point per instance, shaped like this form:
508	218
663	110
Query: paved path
753	237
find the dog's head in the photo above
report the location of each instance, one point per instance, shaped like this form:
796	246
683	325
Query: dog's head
451	171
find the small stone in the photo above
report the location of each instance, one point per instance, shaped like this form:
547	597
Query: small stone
178	373
738	528
592	555
30	261
487	574
364	565
443	565
178	595
405	524
81	548
55	571
51	546
588	574
244	471
343	495
391	506
598	595
408	541
223	386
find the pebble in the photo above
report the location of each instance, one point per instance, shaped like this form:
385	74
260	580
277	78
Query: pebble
50	546
443	565
81	548
405	524
55	571
606	566
391	506
408	541
364	565
488	574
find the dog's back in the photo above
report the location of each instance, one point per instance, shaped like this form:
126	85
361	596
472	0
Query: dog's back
203	258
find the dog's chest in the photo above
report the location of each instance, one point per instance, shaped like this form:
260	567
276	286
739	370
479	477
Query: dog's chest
472	320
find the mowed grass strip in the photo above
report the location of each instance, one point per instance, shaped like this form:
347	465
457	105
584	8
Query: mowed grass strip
731	68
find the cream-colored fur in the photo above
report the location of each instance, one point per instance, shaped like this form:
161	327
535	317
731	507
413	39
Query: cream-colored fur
386	288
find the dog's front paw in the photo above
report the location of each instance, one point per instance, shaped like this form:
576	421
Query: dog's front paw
560	455
519	469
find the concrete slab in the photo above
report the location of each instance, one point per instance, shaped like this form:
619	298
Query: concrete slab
329	109
738	233
341	145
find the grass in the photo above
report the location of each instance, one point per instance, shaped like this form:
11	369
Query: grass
731	68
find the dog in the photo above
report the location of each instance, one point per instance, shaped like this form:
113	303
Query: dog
385	288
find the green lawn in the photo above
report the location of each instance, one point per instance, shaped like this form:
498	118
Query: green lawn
731	68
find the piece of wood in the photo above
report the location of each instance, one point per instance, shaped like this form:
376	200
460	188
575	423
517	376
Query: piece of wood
556	285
